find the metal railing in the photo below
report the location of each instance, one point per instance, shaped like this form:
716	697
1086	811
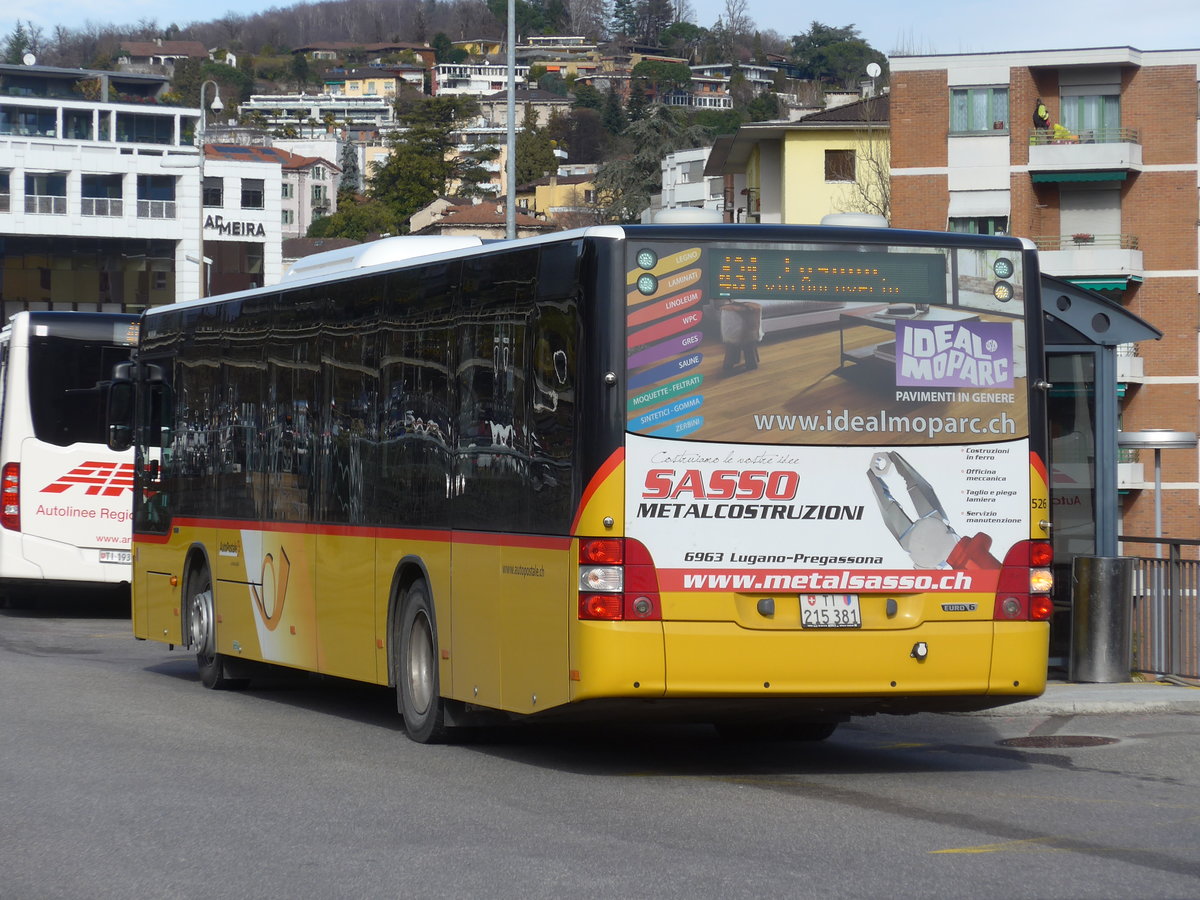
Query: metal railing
102	206
1166	609
1083	241
156	209
1042	136
46	204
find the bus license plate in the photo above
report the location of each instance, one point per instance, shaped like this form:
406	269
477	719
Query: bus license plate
829	611
116	556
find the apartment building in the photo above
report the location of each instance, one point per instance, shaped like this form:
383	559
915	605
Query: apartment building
100	197
308	185
476	79
1106	185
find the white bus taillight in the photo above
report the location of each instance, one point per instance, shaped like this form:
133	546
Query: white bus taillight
1023	590
617	581
10	496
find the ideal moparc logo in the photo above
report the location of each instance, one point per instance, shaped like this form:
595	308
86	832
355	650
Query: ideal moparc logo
96	479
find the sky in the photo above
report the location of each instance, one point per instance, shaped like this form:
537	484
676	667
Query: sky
913	27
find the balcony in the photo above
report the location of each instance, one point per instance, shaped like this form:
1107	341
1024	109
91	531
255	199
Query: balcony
102	206
1096	257
1102	154
156	209
46	204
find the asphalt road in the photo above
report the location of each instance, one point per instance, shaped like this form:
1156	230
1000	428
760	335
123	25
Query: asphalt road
123	777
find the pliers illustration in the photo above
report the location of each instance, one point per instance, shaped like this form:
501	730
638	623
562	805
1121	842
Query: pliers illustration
928	539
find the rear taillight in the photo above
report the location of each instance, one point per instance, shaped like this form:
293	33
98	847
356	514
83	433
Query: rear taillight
10	496
1023	589
617	581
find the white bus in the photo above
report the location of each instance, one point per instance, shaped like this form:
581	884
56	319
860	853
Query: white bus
64	496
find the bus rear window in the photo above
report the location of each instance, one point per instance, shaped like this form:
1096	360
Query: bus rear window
66	395
833	344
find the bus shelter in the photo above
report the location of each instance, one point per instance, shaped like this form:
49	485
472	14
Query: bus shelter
1083	332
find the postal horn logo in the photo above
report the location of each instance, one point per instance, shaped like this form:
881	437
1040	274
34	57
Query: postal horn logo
96	479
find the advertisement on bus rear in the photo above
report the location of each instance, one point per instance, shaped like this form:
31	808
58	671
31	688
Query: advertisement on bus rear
826	419
720	517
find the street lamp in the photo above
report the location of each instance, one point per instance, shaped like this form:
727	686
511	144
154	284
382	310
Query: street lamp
1158	440
216	107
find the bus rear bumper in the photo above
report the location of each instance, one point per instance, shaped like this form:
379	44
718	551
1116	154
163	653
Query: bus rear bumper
937	666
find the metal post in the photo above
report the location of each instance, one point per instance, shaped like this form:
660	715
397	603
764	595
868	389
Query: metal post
510	162
217	106
1158	500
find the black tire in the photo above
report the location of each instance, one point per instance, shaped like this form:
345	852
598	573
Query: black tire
418	687
775	731
202	634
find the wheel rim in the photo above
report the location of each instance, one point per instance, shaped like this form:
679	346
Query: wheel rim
420	663
200	622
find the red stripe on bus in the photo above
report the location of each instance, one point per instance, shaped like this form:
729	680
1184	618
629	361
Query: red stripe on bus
601	476
1039	466
533	541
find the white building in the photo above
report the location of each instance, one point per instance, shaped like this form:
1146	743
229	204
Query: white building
478	79
685	184
314	115
100	202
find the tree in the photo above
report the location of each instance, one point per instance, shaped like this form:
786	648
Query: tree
870	191
423	161
300	70
351	174
445	50
834	55
586	97
613	116
624	18
684	39
661	77
535	150
356	221
625	185
18	44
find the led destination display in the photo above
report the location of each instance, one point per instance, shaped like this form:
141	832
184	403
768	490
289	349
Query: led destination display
830	275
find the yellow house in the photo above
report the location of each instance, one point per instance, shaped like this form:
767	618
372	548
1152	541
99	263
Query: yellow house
562	198
375	82
480	47
833	161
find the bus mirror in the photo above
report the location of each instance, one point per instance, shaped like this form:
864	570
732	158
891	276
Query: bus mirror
119	414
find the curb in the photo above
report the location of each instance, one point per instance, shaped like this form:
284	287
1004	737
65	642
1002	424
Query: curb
1102	699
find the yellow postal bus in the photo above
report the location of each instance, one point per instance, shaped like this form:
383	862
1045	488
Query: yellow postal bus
767	477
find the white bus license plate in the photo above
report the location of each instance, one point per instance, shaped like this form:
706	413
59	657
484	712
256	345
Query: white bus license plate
116	556
829	611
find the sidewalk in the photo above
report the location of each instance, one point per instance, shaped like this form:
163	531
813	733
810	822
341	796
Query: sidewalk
1064	698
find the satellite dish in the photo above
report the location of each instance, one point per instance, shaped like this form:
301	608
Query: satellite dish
29	59
873	70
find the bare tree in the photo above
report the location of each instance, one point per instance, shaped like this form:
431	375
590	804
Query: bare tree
871	191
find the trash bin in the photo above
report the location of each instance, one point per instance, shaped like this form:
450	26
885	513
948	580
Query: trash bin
1101	616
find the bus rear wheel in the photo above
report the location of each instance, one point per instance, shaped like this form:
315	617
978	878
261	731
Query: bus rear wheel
418	688
202	635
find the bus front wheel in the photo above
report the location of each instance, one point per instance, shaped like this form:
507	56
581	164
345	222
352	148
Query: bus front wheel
418	690
203	637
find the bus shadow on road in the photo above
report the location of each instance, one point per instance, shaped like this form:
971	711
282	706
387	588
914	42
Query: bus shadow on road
699	751
879	744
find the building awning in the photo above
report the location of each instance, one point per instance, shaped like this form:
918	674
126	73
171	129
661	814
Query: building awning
1048	177
974	204
1109	283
